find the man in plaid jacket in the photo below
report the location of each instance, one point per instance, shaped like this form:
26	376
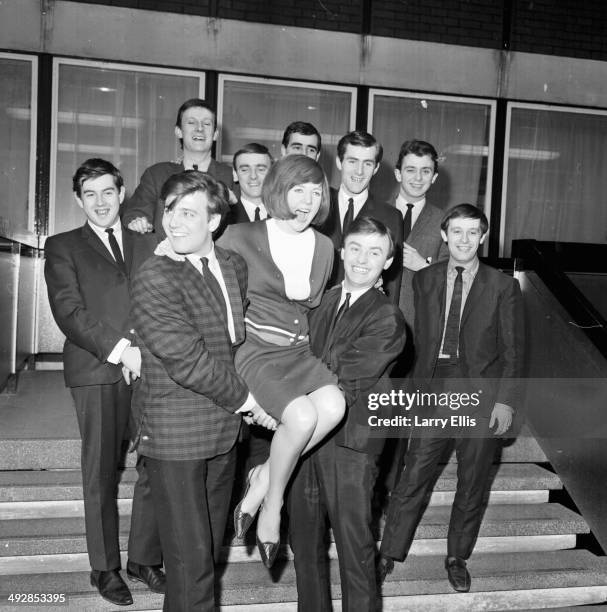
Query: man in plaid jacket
188	312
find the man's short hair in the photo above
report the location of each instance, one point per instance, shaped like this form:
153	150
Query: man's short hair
359	138
368	225
300	127
190	181
195	103
283	176
94	168
252	147
465	211
419	148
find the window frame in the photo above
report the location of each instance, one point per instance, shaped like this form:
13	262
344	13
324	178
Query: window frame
29	237
490	102
508	131
105	65
223	78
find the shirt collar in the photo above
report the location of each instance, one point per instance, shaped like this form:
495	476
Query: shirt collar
250	206
359	199
211	256
100	231
470	269
354	295
401	204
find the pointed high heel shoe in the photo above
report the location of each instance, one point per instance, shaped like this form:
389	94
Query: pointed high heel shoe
267	552
243	520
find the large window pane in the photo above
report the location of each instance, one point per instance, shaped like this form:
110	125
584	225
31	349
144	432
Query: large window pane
556	176
123	114
16	171
259	110
460	130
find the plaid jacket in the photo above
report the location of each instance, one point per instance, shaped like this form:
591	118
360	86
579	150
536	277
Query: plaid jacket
189	389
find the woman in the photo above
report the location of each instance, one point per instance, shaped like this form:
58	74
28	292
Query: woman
289	264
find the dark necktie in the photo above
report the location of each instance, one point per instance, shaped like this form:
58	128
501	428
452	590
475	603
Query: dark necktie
452	330
338	315
256	217
342	309
349	217
115	249
407	221
213	284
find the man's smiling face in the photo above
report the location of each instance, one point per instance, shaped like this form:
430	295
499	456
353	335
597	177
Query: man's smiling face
463	238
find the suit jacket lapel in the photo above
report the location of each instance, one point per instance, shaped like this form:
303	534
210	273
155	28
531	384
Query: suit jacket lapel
440	295
366	208
335	220
96	244
474	295
327	324
420	223
127	249
231	280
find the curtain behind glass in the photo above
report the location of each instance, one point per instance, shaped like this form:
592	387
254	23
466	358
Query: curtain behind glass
260	112
15	126
126	117
557	177
458	130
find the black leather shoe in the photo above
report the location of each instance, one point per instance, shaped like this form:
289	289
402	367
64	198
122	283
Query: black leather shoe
459	577
150	575
385	565
111	587
267	552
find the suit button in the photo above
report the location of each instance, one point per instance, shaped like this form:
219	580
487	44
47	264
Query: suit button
296	321
145	437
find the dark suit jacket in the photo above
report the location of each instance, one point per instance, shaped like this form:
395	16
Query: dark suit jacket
189	388
366	340
237	214
390	217
145	201
491	331
426	239
89	298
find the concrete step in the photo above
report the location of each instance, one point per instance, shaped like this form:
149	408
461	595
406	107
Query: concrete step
43	454
47	454
75	508
243	553
510	581
66	535
55	485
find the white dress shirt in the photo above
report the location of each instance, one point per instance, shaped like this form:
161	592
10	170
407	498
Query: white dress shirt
401	204
358	202
250	209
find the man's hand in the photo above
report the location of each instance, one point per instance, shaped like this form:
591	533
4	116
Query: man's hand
260	417
131	361
140	225
502	415
232	199
412	259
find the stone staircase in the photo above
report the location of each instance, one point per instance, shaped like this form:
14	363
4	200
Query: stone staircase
526	556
